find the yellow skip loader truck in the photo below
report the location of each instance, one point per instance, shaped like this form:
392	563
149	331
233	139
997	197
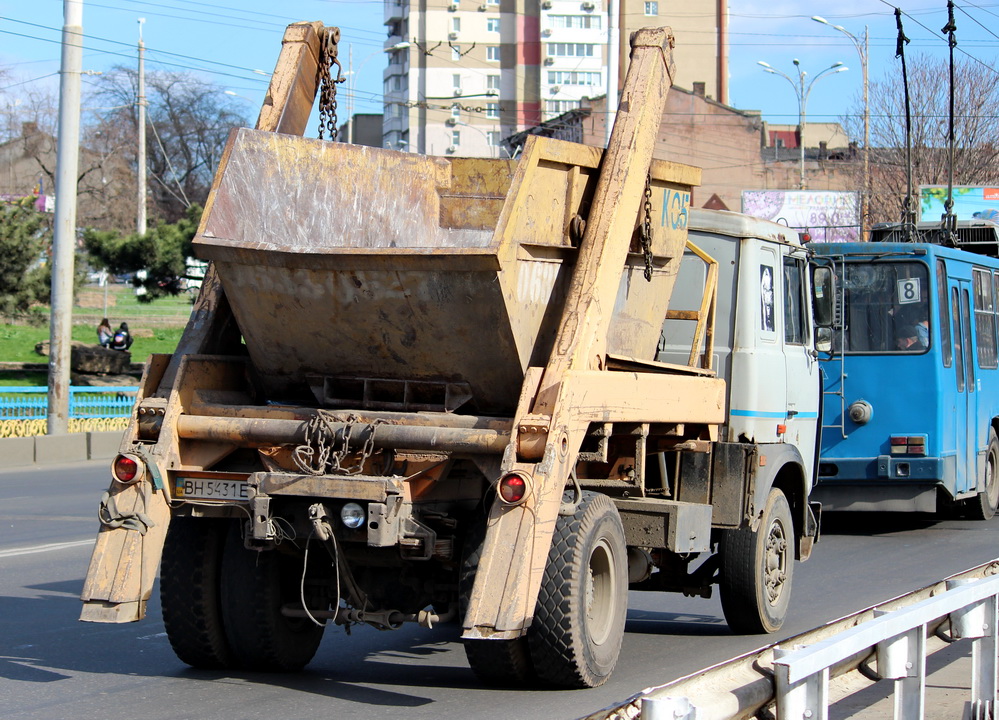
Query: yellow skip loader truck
426	389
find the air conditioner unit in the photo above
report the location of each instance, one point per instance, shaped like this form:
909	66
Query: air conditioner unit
452	36
451	121
451	148
587	6
549	61
457	92
546	5
547	32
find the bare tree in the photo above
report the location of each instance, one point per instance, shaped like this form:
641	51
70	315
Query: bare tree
188	122
976	130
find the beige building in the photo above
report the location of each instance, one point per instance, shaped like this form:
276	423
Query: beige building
106	191
828	135
728	144
463	74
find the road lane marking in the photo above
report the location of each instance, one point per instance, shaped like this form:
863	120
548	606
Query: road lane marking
44	548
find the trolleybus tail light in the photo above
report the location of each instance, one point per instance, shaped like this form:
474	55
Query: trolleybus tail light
127	468
908	444
514	488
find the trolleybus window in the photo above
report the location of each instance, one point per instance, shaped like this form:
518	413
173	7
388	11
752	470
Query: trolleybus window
955	311
985	319
969	363
886	307
944	320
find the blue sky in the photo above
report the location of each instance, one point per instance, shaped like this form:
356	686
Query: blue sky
227	40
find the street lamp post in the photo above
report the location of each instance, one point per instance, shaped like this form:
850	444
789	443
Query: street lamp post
802	91
862	50
352	84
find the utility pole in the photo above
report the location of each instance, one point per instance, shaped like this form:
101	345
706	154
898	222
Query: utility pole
350	95
863	49
64	240
613	61
140	223
802	91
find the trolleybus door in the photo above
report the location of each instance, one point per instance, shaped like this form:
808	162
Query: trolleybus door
964	386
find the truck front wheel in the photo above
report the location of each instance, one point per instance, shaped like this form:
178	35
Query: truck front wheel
756	569
579	619
190	592
255	586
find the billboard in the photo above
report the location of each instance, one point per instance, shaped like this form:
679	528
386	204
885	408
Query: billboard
829	216
42	203
970	202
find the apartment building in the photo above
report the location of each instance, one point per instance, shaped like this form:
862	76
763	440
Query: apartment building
463	74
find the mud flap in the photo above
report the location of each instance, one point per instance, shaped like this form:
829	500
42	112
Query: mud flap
134	520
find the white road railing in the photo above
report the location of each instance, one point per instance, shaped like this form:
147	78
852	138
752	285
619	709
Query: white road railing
793	677
898	638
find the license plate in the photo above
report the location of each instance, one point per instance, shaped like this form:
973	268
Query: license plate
210	489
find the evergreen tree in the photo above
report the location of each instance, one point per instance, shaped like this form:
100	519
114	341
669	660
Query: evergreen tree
25	240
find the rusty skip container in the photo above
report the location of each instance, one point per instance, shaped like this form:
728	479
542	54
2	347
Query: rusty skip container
409	282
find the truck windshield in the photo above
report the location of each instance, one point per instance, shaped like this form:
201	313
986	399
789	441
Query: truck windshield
886	307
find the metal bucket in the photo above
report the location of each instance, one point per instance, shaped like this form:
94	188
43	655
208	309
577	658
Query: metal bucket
348	262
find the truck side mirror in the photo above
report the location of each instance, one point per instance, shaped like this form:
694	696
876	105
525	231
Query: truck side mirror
823	296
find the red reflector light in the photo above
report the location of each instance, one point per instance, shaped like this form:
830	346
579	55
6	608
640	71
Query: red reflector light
125	469
781	429
512	489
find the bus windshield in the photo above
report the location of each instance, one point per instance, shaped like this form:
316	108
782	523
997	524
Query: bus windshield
886	307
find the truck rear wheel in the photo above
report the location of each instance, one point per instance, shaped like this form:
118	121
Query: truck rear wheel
756	569
983	505
190	594
579	619
256	586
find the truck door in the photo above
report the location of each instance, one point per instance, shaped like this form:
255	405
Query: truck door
801	366
964	377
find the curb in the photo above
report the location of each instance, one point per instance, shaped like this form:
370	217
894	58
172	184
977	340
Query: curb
53	449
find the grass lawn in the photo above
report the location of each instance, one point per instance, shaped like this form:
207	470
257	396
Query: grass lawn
17	342
156	327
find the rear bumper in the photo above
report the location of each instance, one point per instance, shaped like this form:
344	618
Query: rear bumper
879	484
882	468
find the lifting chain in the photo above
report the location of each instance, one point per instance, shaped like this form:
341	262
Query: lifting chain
646	235
327	447
327	84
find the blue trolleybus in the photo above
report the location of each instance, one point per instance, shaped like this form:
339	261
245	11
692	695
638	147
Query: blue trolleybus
911	399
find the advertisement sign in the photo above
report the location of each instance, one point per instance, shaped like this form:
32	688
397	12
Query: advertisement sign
829	216
42	203
970	202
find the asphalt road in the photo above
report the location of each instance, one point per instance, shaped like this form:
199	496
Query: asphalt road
54	667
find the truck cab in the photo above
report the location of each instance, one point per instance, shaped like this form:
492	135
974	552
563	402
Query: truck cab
763	346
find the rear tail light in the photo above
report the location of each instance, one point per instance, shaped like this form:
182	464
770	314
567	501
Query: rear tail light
513	488
908	444
127	468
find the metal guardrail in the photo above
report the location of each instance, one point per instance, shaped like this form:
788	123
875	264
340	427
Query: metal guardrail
25	402
898	638
896	635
